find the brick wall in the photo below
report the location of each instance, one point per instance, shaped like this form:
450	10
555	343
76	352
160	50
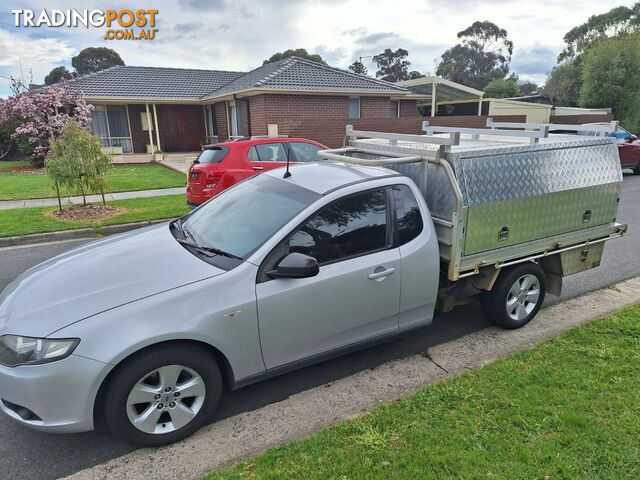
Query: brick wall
221	120
139	137
408	108
581	119
331	132
325	116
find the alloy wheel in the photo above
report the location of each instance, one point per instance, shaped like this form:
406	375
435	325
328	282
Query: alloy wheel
166	399
523	297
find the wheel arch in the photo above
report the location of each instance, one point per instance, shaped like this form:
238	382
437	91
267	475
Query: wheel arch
228	376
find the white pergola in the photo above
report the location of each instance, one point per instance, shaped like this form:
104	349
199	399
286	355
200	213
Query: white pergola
443	90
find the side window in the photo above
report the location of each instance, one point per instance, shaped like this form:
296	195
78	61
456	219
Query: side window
354	108
408	213
304	152
269	152
252	156
351	227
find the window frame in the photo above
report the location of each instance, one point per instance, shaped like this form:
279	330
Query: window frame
396	225
268	262
292	151
359	107
397	109
255	148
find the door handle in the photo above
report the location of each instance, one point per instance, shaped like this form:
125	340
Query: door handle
382	274
258	168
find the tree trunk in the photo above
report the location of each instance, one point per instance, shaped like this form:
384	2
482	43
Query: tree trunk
58	194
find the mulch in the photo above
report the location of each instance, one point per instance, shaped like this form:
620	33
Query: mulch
26	170
88	212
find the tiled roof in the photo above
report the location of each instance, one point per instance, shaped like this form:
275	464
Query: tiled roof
152	82
292	73
295	73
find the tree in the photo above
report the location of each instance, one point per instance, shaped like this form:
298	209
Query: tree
616	21
500	88
57	75
77	162
527	88
94	59
563	84
40	115
393	66
298	52
484	54
359	68
611	78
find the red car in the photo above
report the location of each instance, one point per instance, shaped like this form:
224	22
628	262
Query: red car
224	164
628	145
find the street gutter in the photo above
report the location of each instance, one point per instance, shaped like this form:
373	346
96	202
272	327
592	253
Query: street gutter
247	434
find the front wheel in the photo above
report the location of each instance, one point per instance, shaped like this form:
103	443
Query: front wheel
162	394
516	296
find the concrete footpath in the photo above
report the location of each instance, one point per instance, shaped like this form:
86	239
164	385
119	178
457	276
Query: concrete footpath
238	437
50	202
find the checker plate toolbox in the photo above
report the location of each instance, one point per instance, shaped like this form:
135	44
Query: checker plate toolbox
506	194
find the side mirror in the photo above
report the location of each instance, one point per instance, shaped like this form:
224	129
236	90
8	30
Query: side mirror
295	265
632	138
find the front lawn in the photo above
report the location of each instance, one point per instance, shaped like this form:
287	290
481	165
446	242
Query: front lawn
122	178
25	221
565	409
8	164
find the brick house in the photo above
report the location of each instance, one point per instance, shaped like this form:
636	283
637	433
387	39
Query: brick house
139	108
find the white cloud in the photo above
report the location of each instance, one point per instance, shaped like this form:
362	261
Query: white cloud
35	57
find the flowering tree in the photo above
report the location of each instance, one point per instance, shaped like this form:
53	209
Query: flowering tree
41	115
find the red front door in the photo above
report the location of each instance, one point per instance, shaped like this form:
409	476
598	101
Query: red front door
181	127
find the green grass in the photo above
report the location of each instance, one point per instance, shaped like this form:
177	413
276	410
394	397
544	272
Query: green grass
6	164
123	178
566	409
25	221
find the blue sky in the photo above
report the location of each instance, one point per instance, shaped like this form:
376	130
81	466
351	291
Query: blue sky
239	34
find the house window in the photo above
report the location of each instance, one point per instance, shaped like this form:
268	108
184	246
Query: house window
354	108
394	109
110	123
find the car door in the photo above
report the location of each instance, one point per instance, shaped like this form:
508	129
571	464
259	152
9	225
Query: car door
266	156
355	295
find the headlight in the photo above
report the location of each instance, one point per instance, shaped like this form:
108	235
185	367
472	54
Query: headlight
16	350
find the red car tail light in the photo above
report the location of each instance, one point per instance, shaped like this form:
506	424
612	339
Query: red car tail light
214	178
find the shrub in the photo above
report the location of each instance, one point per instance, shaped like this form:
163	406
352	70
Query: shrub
76	162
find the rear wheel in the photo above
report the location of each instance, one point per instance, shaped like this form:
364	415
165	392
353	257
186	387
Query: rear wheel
516	297
636	170
163	394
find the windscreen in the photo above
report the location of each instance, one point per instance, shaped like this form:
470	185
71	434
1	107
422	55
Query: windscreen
242	218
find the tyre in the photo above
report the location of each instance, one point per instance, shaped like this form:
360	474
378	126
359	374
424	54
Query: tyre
163	394
636	170
516	296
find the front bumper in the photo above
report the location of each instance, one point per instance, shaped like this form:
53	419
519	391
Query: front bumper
56	397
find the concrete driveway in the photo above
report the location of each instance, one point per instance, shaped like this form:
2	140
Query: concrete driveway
28	454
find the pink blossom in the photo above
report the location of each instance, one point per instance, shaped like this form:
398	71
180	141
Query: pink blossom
43	113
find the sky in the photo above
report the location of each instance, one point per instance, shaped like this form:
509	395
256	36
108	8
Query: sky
239	34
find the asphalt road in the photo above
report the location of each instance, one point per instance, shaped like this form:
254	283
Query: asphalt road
28	454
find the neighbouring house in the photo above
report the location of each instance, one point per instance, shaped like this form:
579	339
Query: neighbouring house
147	109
